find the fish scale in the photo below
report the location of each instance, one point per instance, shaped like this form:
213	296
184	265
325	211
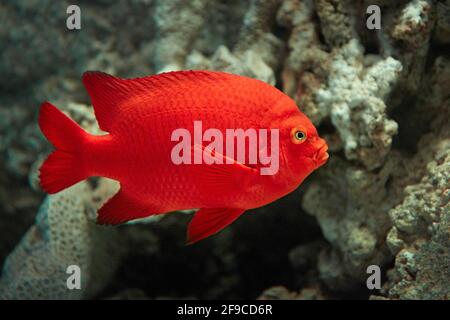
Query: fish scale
140	115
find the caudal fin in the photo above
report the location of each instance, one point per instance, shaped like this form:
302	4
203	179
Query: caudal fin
64	167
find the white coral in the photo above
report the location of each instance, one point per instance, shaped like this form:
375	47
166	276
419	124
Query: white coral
354	99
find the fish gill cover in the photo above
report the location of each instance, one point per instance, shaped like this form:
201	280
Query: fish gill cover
378	95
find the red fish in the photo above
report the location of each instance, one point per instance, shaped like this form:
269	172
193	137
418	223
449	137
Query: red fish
140	116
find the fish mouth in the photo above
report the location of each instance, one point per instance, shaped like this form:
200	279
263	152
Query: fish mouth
321	155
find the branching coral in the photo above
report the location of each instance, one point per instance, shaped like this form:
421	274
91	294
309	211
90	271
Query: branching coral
356	90
379	97
407	37
353	97
344	85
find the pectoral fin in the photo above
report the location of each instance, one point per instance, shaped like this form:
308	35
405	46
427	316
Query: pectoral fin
228	174
208	221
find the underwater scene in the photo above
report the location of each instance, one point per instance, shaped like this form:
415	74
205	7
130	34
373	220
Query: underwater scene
225	149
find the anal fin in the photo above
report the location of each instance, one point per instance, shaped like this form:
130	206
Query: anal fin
208	221
122	208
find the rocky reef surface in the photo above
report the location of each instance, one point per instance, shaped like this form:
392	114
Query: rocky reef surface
381	98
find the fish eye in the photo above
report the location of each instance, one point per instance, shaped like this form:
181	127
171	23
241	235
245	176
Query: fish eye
298	136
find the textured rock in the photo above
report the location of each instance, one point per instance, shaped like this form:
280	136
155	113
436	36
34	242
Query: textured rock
63	235
281	293
442	30
34	50
345	86
353	204
337	21
380	98
407	37
256	51
420	235
355	104
177	26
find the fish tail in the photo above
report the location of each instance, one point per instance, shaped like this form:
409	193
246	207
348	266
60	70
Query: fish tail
64	166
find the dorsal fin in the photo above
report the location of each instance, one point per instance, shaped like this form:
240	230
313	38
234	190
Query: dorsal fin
109	93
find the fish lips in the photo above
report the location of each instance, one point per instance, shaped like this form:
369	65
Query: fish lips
321	155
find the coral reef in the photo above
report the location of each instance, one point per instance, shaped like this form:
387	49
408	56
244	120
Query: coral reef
62	236
177	27
281	293
420	234
255	53
381	99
